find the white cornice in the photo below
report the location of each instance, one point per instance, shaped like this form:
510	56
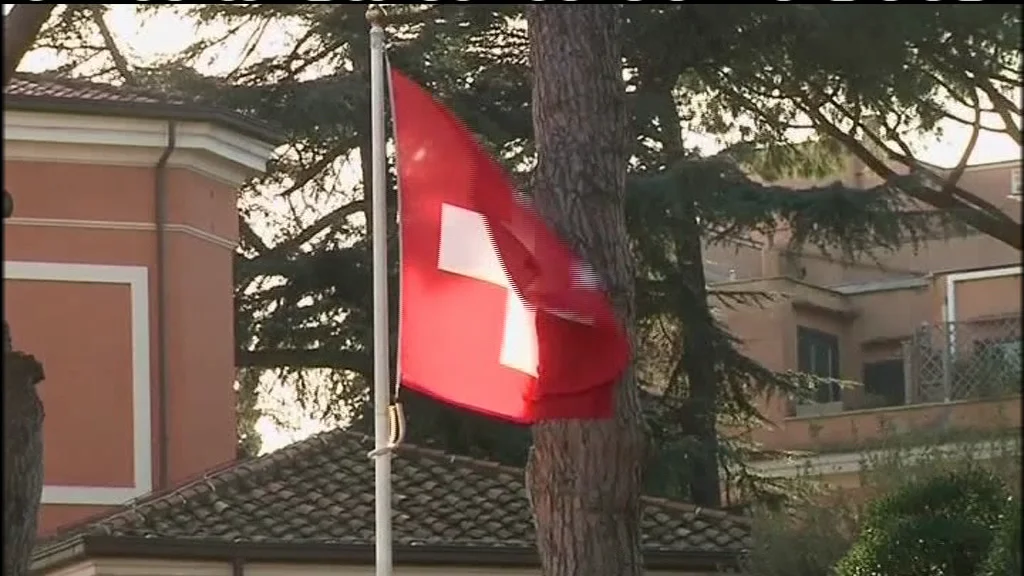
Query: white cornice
123	141
121	225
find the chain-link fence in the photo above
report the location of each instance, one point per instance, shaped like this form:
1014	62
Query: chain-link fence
964	360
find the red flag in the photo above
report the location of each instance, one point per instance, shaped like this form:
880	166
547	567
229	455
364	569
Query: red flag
497	313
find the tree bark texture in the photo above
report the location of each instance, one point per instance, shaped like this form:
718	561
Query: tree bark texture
22	408
23	456
584	477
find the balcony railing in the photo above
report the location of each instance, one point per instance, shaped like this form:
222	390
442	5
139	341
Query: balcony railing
973	360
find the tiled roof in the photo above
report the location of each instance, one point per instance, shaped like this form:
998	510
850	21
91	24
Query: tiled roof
47	93
321	491
41	86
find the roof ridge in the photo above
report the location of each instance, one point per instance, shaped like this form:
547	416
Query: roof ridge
161	95
206	481
488	465
696	510
226	476
152	98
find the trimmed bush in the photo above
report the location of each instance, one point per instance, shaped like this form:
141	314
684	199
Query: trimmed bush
942	526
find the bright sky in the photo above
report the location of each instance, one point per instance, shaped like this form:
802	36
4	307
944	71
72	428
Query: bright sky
168	33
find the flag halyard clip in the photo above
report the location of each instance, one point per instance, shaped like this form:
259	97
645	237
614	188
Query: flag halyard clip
396	431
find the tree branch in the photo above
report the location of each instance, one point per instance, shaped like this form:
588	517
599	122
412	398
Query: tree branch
250	47
1004	228
21	26
1005	108
249	236
319	166
947	185
954	176
332	218
285	248
950	90
120	62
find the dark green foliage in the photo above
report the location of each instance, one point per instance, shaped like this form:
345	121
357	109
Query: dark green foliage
943	526
744	73
1004	556
810	533
248	414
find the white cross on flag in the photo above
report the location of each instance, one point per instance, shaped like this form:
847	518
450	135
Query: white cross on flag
497	314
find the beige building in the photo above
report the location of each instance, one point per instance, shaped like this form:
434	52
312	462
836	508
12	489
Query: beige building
927	338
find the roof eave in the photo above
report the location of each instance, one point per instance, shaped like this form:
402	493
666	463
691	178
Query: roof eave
101	546
153	110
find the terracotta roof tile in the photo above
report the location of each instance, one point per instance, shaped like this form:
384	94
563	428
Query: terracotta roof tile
321	490
43	86
47	93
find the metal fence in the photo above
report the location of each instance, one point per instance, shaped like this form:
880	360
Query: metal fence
952	361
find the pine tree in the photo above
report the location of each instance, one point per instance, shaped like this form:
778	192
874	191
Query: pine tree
749	74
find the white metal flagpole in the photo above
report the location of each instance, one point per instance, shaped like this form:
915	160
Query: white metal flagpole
381	359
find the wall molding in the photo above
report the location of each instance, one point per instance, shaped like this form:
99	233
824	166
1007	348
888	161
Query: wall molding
953	278
140	567
124	141
115	225
137	279
853	462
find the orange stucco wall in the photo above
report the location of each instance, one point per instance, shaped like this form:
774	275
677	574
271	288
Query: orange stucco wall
870	326
81	331
53	517
773	256
88	391
851	428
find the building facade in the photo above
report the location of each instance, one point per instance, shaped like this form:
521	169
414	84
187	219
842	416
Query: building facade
118	278
920	340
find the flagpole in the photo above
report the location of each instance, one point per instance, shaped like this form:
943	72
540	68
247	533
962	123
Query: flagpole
381	358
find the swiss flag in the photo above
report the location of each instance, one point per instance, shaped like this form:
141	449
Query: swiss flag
497	313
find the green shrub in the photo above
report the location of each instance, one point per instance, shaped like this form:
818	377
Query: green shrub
942	526
913	457
803	540
1004	556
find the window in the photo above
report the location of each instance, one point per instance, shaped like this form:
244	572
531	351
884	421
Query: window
884	383
818	354
1015	184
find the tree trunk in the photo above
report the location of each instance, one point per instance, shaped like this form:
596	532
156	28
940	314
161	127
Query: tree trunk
699	363
22	409
23	456
584	477
698	355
